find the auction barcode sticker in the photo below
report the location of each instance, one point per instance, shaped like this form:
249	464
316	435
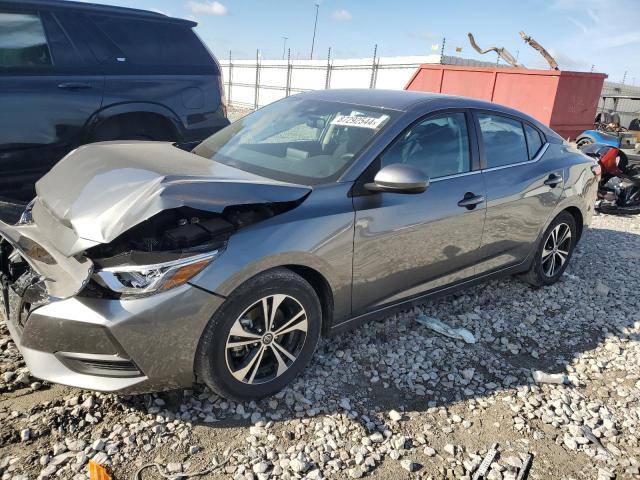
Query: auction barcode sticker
361	121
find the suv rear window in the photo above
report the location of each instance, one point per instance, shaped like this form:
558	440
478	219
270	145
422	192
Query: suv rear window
149	42
22	41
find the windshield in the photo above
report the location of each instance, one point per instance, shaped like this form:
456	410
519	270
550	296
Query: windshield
297	140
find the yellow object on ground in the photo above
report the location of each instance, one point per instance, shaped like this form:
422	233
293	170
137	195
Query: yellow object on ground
98	472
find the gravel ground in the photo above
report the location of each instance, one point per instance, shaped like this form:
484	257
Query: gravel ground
391	399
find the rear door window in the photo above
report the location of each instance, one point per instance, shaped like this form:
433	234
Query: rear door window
23	43
152	42
503	140
534	140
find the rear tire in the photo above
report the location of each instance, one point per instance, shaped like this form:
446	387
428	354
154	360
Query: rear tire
554	251
243	357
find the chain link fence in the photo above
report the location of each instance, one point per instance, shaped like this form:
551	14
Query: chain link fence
251	84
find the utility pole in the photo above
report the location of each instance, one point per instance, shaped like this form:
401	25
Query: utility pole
315	25
284	45
624	77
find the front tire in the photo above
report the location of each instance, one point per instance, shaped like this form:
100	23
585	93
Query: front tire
554	252
261	337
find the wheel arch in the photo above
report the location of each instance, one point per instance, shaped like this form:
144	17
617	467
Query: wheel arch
150	110
585	137
333	289
576	207
322	288
576	213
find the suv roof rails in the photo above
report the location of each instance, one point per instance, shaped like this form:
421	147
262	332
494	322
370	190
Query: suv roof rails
95	8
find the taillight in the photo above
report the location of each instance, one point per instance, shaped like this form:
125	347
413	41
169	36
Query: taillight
596	169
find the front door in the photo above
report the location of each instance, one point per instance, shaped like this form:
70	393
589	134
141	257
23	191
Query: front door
407	243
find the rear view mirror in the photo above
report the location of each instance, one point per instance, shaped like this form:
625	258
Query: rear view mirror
316	122
399	178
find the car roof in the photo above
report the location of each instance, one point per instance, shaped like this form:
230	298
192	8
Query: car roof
93	8
404	100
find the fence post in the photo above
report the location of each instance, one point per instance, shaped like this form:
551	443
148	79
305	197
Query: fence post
374	67
230	80
289	68
257	78
327	80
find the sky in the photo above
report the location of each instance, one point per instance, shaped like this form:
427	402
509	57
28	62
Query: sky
578	33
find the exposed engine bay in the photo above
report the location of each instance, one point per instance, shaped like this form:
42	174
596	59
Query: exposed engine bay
180	232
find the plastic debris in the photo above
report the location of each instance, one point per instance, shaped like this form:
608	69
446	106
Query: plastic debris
444	329
97	471
178	475
483	469
588	434
553	378
526	466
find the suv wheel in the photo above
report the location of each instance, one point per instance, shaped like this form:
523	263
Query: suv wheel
261	338
554	252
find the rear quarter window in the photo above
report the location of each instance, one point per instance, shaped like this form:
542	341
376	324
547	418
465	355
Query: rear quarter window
534	140
152	42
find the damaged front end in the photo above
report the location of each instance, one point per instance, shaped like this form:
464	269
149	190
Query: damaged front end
112	226
32	271
125	219
168	249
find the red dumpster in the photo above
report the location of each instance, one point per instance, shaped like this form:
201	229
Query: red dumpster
565	101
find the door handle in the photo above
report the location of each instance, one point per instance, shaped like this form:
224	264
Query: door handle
553	180
74	85
470	200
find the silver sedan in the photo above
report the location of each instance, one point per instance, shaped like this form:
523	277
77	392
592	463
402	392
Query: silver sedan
142	266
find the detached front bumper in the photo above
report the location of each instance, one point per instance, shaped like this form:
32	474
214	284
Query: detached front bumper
127	346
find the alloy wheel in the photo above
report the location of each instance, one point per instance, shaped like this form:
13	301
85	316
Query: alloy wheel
266	339
556	249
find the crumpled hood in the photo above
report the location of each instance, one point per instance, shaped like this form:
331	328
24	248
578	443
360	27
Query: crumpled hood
100	191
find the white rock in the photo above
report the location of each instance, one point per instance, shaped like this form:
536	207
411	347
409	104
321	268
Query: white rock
395	415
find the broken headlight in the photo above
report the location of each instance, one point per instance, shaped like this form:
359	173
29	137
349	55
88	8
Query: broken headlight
144	280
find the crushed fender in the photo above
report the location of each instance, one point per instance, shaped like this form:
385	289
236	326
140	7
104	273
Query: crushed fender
446	330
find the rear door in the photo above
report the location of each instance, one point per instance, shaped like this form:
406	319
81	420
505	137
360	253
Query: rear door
161	61
406	244
47	93
523	187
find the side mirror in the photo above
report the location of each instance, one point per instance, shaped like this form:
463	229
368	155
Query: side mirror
399	178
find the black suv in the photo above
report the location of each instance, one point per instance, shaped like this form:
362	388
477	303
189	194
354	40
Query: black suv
74	73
